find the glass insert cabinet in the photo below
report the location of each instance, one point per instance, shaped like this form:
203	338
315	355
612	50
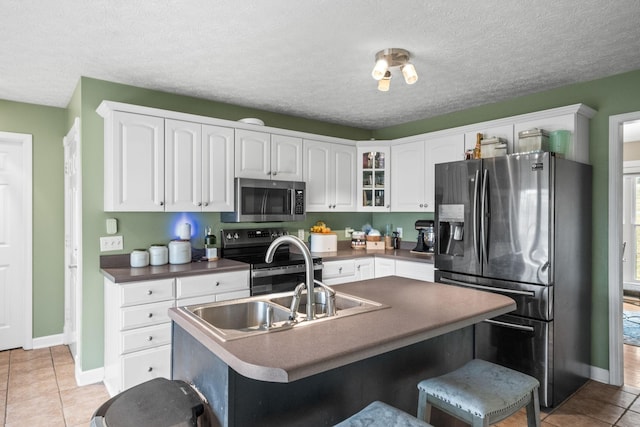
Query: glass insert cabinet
373	176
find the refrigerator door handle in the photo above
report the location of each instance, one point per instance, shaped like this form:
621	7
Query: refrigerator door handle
510	325
476	244
483	225
488	288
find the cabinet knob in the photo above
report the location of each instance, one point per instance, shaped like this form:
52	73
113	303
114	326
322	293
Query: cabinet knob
206	204
149	369
149	292
217	283
161	203
340	270
268	172
421	205
150	315
199	203
358	267
149	338
275	173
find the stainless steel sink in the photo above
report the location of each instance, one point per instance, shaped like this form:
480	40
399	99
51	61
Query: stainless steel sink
234	319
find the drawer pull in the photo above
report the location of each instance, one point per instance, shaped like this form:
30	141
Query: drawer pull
150	315
149	338
149	369
340	270
149	292
217	283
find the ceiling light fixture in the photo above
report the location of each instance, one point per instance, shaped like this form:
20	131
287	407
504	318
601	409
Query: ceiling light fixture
393	58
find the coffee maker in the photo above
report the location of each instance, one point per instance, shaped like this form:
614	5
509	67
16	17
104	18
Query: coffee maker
426	236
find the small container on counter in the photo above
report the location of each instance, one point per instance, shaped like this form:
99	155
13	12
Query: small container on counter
158	255
179	252
357	240
139	258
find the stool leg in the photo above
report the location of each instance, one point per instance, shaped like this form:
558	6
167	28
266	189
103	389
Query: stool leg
533	410
424	407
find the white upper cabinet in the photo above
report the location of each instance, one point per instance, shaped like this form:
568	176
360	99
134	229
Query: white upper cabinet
198	167
374	191
217	168
413	171
261	155
133	162
330	176
183	166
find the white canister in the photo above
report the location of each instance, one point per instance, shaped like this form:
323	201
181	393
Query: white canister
158	255
185	231
139	258
179	252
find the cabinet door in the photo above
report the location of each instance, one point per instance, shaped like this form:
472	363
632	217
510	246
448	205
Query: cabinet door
385	267
217	168
415	270
407	182
183	166
316	165
134	163
343	175
439	150
286	158
373	192
364	268
252	154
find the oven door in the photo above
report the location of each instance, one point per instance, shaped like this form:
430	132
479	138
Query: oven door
519	343
280	279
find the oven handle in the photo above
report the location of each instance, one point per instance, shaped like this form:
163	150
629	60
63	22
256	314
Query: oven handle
280	271
510	325
489	288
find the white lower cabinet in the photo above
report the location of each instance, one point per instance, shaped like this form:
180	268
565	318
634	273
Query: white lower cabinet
414	270
347	270
137	344
385	267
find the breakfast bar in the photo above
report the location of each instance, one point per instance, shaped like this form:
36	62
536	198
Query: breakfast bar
321	372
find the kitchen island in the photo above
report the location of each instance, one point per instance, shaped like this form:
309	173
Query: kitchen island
322	372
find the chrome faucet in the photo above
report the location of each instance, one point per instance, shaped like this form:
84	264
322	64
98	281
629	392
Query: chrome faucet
308	263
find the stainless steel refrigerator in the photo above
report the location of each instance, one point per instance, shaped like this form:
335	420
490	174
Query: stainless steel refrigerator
520	225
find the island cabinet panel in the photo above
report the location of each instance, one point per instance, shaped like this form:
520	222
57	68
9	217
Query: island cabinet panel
348	270
323	399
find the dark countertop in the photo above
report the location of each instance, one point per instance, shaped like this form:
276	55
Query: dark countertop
417	311
116	267
121	274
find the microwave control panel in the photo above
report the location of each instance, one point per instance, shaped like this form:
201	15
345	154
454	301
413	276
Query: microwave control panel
298	203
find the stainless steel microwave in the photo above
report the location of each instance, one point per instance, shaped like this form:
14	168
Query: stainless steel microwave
263	200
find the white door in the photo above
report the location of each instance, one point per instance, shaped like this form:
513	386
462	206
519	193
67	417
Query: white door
217	168
286	158
15	241
253	154
342	172
72	239
316	164
183	166
408	170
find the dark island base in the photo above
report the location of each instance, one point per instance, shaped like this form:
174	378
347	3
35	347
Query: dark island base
323	399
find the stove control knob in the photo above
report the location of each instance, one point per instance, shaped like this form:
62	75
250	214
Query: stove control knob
229	236
235	236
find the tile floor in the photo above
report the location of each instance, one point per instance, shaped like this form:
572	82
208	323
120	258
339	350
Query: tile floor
38	387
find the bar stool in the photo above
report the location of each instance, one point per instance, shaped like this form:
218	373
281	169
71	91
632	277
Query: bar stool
379	414
480	393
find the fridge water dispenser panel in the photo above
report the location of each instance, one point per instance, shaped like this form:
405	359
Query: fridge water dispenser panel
451	229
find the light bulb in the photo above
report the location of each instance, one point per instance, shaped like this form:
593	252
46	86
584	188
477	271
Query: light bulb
385	82
409	73
380	69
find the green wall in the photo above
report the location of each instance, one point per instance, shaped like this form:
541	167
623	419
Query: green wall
47	127
610	96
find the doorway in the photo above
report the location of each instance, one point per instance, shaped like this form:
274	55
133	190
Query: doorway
72	240
616	246
16	247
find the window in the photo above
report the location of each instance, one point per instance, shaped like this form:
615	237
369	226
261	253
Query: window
631	231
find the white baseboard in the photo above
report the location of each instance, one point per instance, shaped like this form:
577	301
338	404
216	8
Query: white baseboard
89	377
48	341
600	375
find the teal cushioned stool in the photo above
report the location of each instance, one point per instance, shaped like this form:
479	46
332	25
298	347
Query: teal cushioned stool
480	393
379	414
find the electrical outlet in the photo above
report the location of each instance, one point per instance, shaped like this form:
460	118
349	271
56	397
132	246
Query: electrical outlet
111	243
399	230
347	232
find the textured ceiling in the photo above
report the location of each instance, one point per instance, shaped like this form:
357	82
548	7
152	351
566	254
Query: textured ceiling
313	59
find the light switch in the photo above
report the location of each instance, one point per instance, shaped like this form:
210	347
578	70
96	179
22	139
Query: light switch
112	226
